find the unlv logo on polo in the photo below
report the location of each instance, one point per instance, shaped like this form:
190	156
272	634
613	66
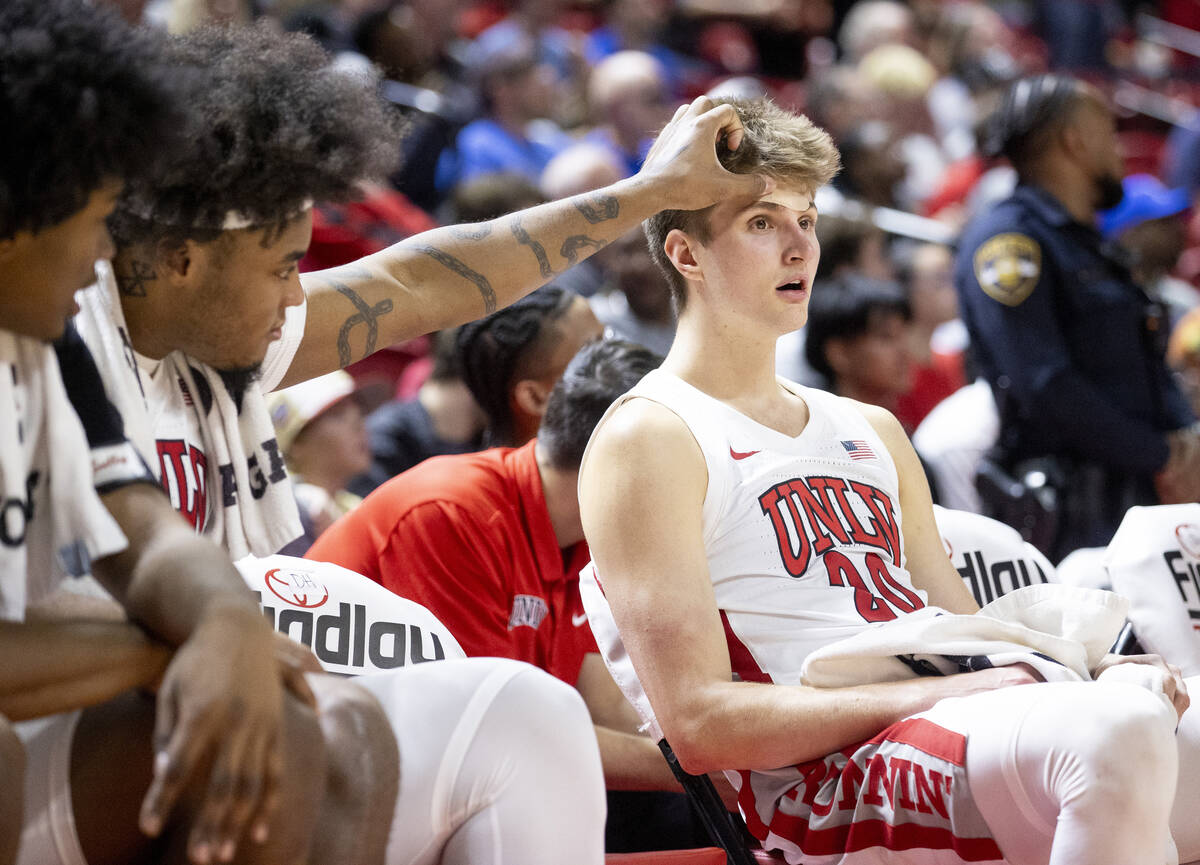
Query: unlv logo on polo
296	588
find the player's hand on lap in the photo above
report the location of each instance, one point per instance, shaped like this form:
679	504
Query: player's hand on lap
1174	688
221	700
295	661
684	158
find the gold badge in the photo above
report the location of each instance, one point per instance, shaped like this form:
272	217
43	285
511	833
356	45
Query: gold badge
1008	267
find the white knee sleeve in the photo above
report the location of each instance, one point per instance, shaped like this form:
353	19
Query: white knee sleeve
498	766
1071	773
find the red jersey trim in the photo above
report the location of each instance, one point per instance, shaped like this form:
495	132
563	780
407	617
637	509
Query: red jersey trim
740	659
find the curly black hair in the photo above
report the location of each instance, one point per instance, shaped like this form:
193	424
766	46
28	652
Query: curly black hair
275	125
83	99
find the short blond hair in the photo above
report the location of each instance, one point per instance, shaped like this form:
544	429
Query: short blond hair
787	147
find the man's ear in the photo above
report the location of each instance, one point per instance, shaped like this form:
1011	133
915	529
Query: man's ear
530	396
177	258
679	249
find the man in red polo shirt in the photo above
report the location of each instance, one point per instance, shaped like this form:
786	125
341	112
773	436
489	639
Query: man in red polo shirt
491	543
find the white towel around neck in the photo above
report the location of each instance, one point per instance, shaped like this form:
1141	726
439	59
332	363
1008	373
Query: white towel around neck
246	524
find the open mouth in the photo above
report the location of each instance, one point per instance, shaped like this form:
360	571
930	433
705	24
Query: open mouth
791	286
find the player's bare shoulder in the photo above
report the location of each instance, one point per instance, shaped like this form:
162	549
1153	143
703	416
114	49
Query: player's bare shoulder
641	439
882	421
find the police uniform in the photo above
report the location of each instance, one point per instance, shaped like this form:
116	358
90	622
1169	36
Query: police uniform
1073	349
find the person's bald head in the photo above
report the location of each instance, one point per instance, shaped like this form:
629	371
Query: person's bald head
627	92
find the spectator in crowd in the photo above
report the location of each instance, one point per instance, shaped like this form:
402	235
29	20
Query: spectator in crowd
873	170
443	418
858	339
627	94
1149	225
512	359
640	25
935	342
872	23
1038	289
491	543
489	196
1183	355
136	725
637	304
323	438
515	133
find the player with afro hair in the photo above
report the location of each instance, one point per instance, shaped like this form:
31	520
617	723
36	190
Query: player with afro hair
274	127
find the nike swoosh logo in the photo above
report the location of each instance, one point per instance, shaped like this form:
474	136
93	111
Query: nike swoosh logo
737	455
579	620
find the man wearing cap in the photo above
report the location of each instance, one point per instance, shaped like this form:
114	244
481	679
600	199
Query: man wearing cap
321	432
1071	345
1149	226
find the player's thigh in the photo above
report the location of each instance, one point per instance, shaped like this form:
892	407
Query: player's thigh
12	782
460	737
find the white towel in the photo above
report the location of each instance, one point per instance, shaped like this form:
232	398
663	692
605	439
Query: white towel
1061	631
54	521
260	517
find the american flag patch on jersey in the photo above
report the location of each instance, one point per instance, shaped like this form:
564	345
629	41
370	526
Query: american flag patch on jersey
858	450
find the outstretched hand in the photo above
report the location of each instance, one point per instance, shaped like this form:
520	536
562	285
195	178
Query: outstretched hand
684	158
220	706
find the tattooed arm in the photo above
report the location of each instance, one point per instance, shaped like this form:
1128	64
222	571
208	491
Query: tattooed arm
456	274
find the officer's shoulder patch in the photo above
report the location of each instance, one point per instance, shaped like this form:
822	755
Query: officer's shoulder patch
1007	267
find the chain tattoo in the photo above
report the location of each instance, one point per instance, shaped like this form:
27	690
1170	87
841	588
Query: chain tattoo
538	250
133	284
481	282
574	243
598	207
367	314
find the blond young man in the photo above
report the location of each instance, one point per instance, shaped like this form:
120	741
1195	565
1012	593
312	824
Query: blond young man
738	522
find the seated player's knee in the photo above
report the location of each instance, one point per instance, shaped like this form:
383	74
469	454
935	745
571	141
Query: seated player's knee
1126	744
12	781
363	758
363	769
543	714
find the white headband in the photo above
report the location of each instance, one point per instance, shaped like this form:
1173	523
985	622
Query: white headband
235	219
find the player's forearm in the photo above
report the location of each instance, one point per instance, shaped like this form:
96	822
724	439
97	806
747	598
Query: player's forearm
632	762
54	667
752	726
448	276
169	579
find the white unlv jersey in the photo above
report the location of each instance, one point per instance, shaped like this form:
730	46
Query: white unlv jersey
802	534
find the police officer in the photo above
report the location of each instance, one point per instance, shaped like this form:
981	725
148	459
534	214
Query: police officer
1072	347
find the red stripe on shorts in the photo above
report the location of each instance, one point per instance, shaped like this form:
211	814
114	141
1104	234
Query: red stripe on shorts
740	659
928	737
864	834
